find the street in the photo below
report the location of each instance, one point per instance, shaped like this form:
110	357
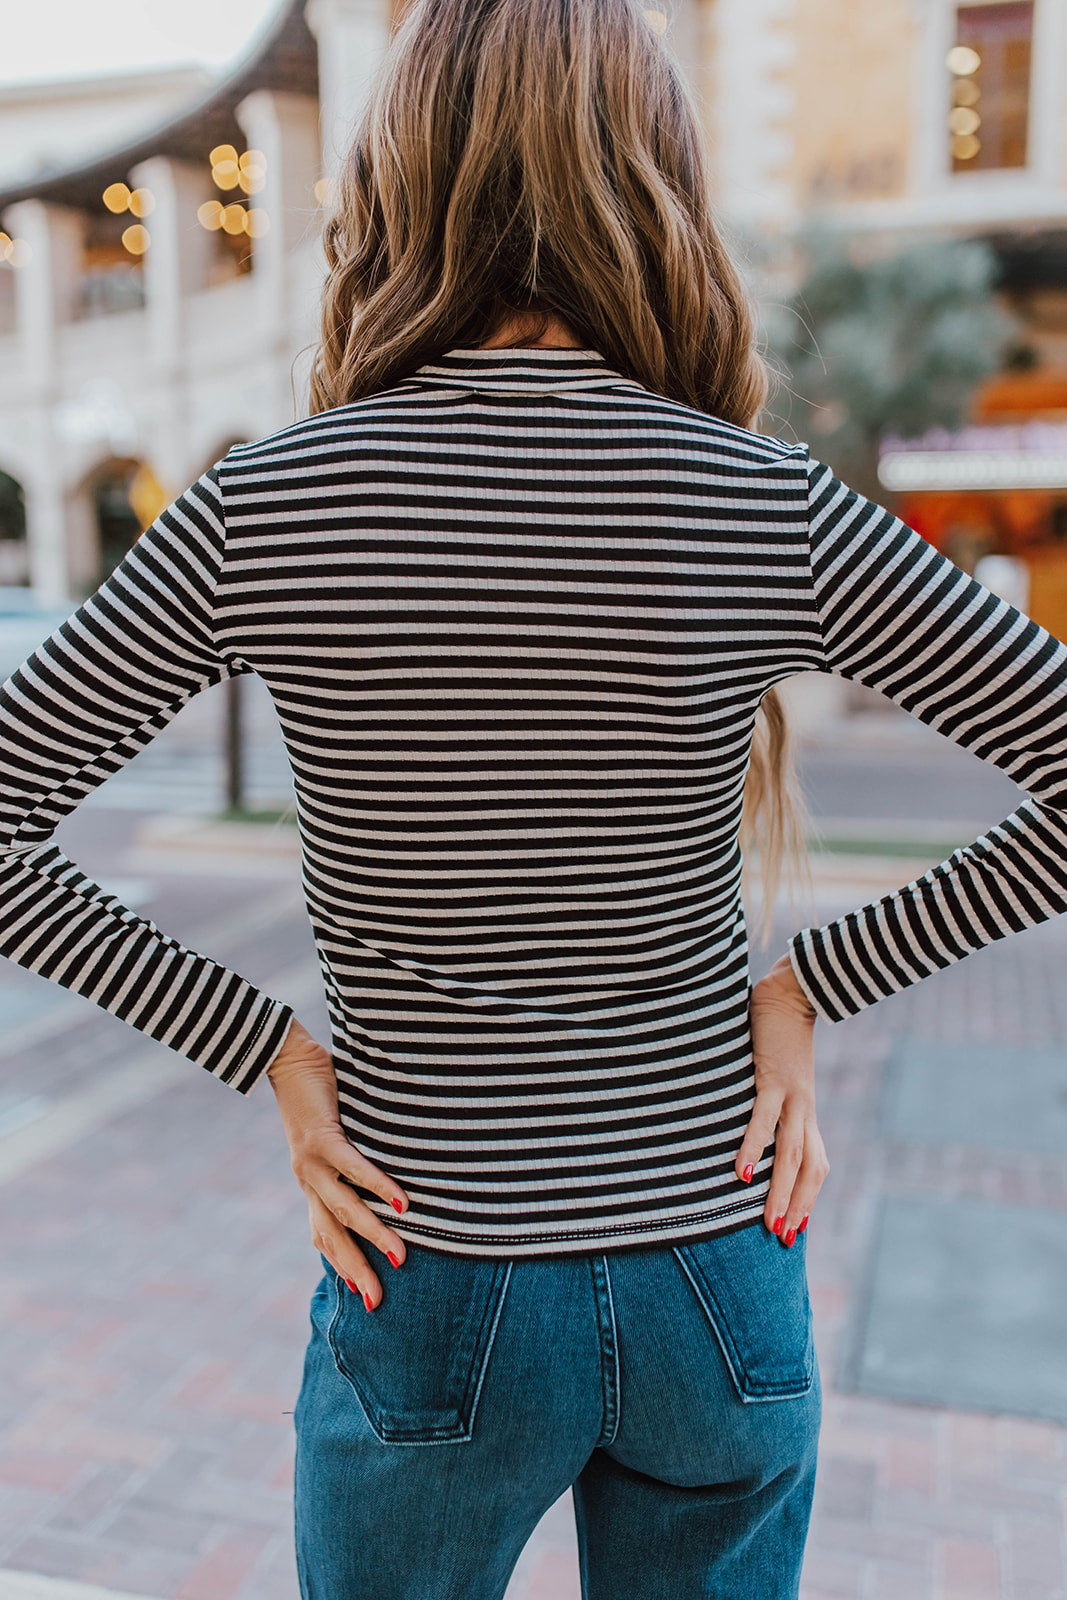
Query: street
156	1265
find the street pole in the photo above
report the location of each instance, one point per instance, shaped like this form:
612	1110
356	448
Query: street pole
234	746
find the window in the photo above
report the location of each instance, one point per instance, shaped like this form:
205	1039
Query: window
990	73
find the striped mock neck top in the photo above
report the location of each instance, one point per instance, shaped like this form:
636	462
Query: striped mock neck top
516	614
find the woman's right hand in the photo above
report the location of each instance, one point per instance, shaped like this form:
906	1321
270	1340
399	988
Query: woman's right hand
305	1086
783	1021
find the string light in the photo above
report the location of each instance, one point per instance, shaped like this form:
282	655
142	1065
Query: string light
962	60
226	174
247	171
14	252
963	120
136	239
116	197
252	173
119	197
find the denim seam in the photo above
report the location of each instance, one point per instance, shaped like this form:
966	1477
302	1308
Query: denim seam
609	1348
459	1432
494	1308
747	1388
370	1411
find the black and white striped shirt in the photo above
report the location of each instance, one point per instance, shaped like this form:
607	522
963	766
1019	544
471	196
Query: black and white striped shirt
516	615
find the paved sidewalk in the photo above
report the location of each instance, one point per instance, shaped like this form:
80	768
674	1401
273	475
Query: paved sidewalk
154	1293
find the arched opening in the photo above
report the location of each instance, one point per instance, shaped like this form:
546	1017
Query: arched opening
14	551
125	497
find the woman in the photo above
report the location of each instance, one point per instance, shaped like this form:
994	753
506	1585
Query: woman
520	587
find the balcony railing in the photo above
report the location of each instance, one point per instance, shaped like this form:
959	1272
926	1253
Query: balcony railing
103	291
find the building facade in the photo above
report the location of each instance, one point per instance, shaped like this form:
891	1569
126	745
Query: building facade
159	299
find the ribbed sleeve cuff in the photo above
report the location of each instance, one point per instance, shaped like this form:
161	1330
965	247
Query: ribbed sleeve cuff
804	950
262	1036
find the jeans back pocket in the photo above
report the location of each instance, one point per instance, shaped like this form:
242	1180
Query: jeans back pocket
754	1292
418	1361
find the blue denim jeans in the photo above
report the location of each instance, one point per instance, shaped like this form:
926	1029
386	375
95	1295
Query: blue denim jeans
674	1389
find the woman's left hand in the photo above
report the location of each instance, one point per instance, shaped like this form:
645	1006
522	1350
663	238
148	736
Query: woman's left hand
782	1020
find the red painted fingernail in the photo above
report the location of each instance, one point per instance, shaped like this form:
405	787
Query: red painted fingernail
803	1224
354	1287
747	1174
394	1259
790	1236
368	1302
778	1223
397	1205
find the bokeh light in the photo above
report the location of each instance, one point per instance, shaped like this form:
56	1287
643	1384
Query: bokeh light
247	171
962	60
116	196
963	120
136	239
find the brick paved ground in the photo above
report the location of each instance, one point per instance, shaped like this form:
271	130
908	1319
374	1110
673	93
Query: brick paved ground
154	1313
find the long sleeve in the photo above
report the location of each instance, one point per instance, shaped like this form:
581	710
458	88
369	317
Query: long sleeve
900	617
82	705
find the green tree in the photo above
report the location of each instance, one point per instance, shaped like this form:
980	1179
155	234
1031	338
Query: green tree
870	344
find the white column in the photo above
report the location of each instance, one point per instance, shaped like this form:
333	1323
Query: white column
46	290
753	106
46	286
285	127
46	512
352	37
177	260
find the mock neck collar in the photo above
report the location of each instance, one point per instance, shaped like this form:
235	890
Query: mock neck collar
521	370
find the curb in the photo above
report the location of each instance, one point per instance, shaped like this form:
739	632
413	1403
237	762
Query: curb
277	839
31	1586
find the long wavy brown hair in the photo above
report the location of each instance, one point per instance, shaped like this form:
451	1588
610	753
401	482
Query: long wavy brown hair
539	157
